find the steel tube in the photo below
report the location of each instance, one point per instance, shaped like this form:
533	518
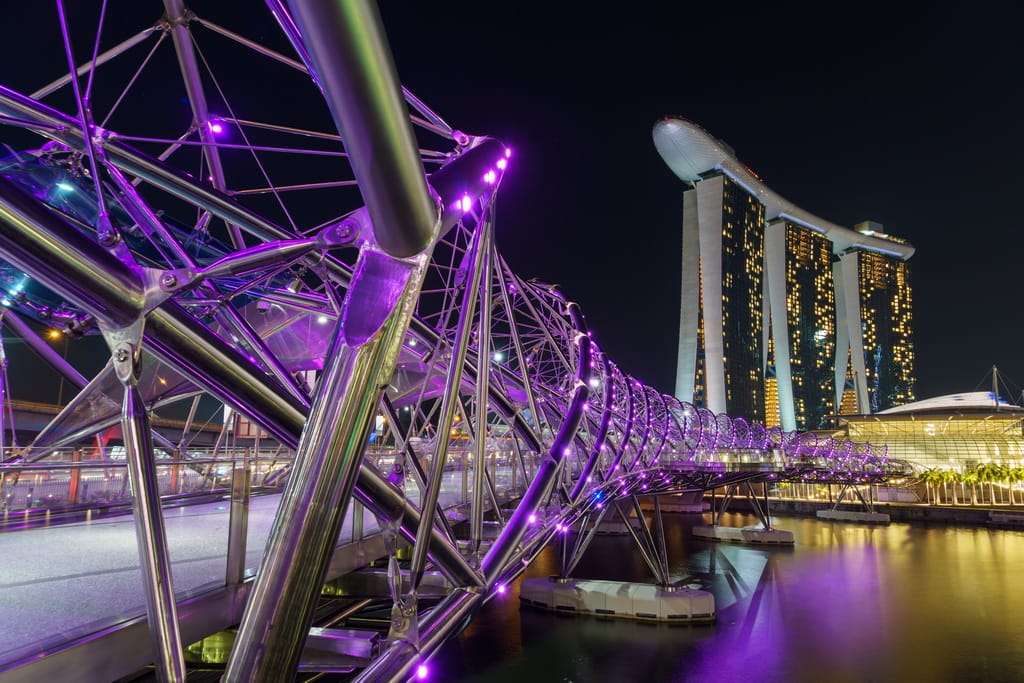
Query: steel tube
49	249
149	530
483	371
351	61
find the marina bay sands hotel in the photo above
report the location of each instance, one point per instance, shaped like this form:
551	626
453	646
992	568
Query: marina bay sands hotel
785	318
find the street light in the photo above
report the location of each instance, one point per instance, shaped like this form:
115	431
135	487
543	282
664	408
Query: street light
54	335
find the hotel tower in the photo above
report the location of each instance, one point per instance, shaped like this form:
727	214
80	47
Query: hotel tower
785	318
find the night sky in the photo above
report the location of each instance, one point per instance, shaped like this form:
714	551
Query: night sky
913	120
848	110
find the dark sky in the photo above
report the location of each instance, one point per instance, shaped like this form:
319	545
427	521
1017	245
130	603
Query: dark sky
851	111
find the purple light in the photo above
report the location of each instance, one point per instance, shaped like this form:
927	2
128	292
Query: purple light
502	163
422	671
466	203
215	127
501	589
508	152
490	177
532	519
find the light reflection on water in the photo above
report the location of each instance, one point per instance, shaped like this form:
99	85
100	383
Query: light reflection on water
848	603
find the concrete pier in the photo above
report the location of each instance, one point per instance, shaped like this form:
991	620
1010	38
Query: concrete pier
748	534
618	600
853	516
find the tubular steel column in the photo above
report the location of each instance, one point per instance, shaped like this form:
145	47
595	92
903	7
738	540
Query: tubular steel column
351	61
168	655
483	371
327	463
453	380
238	525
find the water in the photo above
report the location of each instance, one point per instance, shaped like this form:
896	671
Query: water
847	603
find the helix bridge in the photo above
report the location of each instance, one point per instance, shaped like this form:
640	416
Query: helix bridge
268	220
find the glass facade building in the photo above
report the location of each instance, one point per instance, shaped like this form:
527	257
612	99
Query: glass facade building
723	289
785	318
810	312
960	435
887	325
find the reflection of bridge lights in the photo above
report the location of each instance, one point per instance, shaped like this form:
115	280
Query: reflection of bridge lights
422	672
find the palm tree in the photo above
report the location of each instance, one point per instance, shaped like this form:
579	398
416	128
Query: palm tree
985	475
1014	475
950	477
970	478
932	477
1002	477
991	473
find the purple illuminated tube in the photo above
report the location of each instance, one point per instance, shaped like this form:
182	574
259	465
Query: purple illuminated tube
505	545
599	440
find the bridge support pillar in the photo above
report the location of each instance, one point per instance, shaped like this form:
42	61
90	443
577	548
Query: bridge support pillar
750	534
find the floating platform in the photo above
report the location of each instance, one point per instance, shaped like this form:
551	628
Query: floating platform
618	600
747	534
853	516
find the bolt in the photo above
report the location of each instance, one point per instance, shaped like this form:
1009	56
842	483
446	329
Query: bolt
168	280
121	355
108	238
